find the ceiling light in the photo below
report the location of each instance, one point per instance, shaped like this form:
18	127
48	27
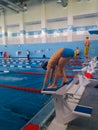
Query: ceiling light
59	1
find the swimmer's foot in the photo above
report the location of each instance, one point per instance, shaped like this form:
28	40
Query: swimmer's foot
51	86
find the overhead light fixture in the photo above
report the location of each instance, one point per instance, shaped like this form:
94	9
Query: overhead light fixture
64	3
23	5
59	1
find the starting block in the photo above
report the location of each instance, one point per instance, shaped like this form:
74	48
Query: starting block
92	66
67	97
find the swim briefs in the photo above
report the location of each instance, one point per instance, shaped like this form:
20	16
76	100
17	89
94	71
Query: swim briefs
68	53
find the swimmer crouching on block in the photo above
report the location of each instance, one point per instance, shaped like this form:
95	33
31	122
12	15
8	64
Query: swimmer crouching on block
57	62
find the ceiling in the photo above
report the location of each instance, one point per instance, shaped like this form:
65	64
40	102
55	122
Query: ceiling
17	0
15	5
21	5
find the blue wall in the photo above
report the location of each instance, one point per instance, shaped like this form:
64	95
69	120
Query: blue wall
37	50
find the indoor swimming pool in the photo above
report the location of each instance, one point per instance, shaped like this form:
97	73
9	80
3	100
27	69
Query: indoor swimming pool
18	103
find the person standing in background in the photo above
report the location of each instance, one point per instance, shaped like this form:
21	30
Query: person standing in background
44	56
28	54
86	48
6	56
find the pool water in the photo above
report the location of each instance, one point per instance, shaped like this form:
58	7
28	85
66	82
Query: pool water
18	107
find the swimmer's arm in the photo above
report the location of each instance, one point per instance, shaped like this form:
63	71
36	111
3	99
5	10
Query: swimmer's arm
51	76
46	78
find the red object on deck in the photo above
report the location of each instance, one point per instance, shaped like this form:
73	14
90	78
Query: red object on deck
31	127
88	75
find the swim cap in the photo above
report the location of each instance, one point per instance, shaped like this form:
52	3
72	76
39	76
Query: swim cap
44	65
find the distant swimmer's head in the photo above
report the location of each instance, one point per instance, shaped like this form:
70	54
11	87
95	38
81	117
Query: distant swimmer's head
87	37
44	65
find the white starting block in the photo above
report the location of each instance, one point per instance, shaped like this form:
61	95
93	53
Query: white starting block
91	66
67	98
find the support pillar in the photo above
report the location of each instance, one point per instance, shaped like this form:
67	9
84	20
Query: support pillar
70	21
3	27
43	23
22	28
